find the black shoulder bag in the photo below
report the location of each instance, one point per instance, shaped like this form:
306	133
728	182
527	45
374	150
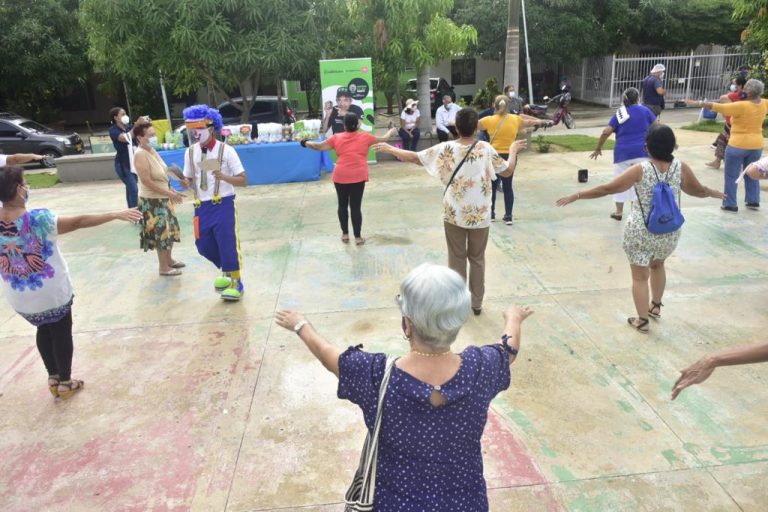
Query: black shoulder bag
459	167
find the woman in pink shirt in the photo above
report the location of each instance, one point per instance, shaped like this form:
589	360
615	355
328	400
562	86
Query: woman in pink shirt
351	171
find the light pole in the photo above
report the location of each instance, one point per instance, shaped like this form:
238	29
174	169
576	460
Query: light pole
527	55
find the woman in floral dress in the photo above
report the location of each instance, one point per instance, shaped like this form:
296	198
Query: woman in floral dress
467	199
647	251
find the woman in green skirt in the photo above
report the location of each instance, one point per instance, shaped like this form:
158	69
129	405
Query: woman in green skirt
156	202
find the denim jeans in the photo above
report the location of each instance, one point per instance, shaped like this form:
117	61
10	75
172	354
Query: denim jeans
735	161
130	180
410	143
509	194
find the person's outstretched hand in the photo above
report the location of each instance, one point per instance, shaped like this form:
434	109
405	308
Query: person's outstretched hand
518	145
131	215
567	200
288	318
697	373
382	147
596	153
515	312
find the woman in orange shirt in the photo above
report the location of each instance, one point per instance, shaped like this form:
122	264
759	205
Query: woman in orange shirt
502	128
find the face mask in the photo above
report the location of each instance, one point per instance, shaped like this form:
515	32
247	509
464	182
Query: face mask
512	94
26	197
733	87
402	324
201	135
661	76
125	120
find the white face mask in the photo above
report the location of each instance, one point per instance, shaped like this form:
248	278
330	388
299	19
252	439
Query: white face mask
733	87
201	135
661	75
125	119
512	94
153	140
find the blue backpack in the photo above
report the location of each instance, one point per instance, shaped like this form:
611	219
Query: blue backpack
665	215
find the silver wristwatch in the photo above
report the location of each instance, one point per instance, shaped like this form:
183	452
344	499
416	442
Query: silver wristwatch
298	326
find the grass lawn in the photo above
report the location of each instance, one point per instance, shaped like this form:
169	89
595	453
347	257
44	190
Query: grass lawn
573	142
42	180
713	127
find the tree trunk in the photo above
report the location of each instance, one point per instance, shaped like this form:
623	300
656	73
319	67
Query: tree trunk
512	53
425	103
280	114
390	100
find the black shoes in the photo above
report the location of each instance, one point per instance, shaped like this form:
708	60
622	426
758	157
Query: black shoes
753	206
730	208
477	311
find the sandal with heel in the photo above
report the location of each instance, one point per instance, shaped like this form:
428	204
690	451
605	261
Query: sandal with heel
53	385
652	312
642	327
71	387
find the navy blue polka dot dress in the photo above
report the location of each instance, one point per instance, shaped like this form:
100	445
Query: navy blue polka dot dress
429	457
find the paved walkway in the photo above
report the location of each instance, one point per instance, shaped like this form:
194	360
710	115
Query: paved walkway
195	404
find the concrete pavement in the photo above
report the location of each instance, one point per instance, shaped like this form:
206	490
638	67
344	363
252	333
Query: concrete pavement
192	404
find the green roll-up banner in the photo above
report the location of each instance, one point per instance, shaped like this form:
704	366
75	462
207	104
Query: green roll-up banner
347	87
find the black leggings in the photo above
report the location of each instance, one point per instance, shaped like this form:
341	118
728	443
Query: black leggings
350	196
509	194
54	341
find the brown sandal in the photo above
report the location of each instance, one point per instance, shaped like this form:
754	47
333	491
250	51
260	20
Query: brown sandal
656	306
71	386
642	327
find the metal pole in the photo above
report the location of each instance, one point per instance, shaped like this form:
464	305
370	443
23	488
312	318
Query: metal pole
688	81
527	55
127	100
583	76
613	77
165	102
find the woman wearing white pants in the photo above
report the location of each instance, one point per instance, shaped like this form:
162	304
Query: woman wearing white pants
630	123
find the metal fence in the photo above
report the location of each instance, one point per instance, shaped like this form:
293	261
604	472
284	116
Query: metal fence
703	73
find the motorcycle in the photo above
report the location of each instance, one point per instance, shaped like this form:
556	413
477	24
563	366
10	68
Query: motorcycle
561	114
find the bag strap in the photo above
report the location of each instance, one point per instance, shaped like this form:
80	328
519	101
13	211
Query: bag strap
498	127
459	167
372	445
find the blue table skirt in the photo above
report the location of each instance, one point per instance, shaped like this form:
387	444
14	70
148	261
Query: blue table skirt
281	162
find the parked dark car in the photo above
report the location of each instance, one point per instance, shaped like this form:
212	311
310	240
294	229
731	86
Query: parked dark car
438	87
264	110
21	135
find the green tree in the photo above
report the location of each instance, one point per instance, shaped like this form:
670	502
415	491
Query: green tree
43	54
411	32
755	35
664	25
489	17
225	45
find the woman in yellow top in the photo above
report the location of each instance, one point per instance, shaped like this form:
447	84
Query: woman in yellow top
156	198
502	128
746	143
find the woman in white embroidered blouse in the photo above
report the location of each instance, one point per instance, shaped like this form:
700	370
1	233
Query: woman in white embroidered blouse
35	279
467	198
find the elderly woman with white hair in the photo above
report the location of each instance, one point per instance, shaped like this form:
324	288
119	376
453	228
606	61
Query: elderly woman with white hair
745	146
436	402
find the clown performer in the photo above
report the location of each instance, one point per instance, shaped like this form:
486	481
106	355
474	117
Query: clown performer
214	170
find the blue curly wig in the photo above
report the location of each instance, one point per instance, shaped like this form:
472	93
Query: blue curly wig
196	112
